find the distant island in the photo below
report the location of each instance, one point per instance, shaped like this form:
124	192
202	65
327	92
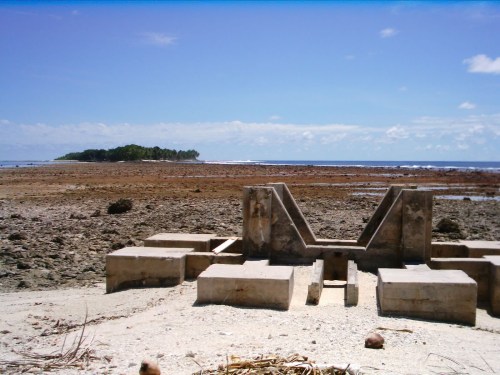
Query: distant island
131	153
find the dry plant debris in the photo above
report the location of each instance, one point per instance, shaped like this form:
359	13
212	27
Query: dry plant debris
78	355
276	365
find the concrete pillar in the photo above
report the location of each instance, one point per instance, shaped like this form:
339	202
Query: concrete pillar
417	226
257	221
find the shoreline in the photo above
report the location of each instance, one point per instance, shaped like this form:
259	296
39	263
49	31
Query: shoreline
482	166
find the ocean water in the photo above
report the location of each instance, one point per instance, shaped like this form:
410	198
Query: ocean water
492	166
28	163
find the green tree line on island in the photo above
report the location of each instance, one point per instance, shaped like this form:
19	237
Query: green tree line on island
131	153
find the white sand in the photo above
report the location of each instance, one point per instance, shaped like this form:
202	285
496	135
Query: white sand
165	324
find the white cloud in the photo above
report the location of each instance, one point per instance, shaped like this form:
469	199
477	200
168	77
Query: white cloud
477	136
158	39
396	132
274	118
467	105
403	88
483	64
388	32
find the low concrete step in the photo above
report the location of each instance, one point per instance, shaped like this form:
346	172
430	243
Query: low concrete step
445	295
240	285
145	267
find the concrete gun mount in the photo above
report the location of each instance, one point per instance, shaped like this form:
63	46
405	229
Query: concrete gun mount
276	236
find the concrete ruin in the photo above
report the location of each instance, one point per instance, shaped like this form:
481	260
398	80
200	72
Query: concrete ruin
416	277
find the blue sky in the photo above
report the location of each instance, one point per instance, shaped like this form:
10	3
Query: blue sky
252	80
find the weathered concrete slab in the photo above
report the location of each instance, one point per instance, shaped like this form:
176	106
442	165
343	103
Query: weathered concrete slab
145	267
239	285
494	285
477	249
199	242
315	287
197	262
352	286
476	268
448	250
444	295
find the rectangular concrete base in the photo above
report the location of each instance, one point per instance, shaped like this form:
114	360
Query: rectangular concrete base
239	285
199	242
494	283
145	267
444	295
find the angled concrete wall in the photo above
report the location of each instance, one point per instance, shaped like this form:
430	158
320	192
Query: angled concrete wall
401	230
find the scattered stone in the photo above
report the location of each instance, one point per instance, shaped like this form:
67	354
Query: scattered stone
17	236
117	246
24	284
446	225
23	266
59	240
77	216
120	206
148	367
374	341
96	213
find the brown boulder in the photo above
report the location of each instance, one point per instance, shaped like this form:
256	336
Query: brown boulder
374	341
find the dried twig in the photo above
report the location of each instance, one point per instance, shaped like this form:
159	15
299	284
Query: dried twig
79	354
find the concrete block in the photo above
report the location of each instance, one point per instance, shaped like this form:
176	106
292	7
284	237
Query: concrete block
239	285
316	286
444	295
352	286
494	285
199	242
197	262
448	250
476	268
477	249
145	267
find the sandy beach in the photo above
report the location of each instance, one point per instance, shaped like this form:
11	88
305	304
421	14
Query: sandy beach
55	234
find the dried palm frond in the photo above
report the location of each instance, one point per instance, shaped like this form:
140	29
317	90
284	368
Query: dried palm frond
276	365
